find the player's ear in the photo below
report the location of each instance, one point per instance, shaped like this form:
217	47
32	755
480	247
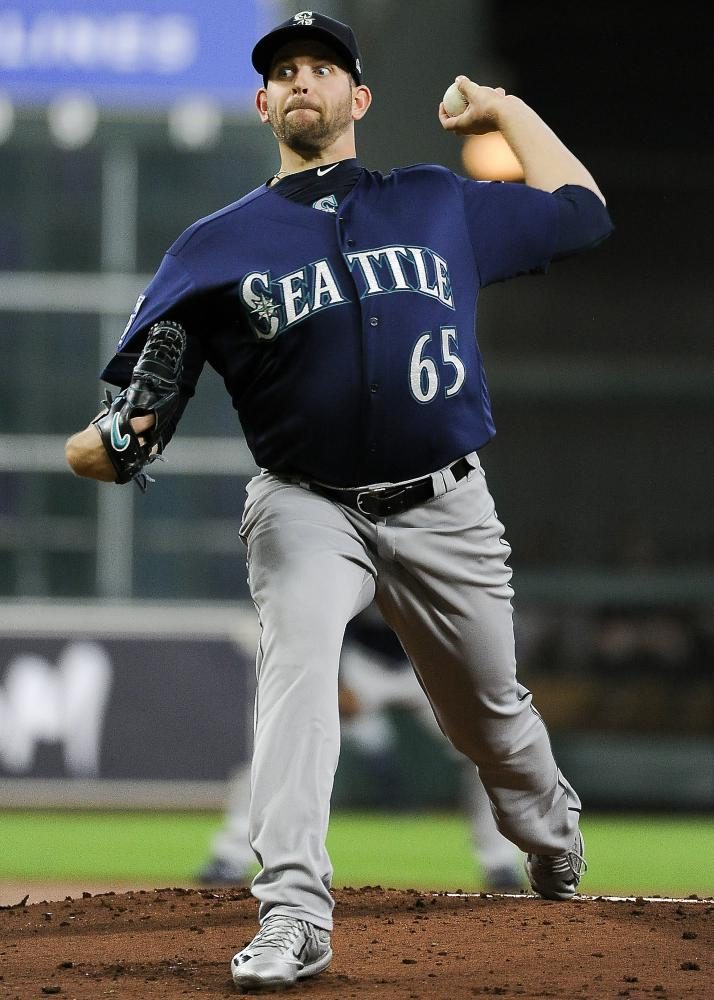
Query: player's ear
261	103
361	100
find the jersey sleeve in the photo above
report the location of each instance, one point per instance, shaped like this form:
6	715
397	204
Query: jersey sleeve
171	294
513	228
171	285
583	220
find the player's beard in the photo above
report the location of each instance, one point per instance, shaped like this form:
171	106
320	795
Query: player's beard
313	136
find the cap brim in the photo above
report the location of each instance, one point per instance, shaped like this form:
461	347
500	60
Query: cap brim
266	48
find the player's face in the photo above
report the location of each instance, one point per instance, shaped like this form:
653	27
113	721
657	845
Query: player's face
309	97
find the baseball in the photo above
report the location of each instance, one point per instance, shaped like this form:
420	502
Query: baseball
454	101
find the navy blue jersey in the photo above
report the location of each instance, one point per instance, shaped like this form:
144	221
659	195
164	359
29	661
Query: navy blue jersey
346	337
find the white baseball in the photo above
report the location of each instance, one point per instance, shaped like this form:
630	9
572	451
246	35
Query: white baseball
454	101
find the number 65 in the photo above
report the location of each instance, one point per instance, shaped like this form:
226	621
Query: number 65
423	373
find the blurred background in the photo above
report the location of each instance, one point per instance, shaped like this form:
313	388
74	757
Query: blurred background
126	629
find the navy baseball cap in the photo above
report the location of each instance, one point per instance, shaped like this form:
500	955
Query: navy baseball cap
309	24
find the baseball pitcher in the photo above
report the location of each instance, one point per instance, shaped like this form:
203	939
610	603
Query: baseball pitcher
339	306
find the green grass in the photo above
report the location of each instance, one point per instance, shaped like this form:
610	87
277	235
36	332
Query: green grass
626	854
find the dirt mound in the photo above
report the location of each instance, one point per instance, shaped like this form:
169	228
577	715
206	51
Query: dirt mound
388	943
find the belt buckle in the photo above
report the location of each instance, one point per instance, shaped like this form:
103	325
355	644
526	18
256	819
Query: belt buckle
369	494
382	494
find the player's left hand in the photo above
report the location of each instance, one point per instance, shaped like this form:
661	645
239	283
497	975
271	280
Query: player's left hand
87	456
482	112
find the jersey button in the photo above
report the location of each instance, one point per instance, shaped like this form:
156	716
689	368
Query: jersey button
350	243
374	387
374	321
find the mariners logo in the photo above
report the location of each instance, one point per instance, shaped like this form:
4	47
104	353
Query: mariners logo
264	312
304	18
327	204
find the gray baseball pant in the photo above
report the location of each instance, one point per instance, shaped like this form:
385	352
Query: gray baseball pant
439	575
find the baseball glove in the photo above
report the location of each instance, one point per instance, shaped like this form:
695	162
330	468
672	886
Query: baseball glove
154	389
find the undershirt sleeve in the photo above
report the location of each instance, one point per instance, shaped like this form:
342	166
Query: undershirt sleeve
583	220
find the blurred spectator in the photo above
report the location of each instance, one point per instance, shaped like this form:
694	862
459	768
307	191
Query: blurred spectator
653	669
656	642
621	666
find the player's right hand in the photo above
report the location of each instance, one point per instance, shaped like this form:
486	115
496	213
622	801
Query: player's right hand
481	115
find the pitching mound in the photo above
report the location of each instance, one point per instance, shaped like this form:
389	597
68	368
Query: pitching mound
389	944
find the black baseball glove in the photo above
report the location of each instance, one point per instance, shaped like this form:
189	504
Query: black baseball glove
154	389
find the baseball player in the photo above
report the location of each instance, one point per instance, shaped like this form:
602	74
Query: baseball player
339	305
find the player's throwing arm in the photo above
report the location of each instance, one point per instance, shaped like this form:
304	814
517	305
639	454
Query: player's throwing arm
468	108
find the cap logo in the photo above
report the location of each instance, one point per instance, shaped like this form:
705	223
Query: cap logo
305	18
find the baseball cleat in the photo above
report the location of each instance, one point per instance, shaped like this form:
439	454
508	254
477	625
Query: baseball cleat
284	950
556	876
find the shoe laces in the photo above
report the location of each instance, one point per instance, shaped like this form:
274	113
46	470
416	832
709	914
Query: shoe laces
577	862
563	864
278	932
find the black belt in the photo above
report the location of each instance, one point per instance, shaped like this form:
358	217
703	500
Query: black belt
384	501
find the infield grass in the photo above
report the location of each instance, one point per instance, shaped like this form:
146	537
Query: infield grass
627	854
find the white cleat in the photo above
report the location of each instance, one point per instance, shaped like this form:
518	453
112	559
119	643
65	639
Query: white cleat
284	950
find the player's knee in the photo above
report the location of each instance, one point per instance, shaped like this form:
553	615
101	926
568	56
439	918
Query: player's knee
309	649
311	643
482	739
